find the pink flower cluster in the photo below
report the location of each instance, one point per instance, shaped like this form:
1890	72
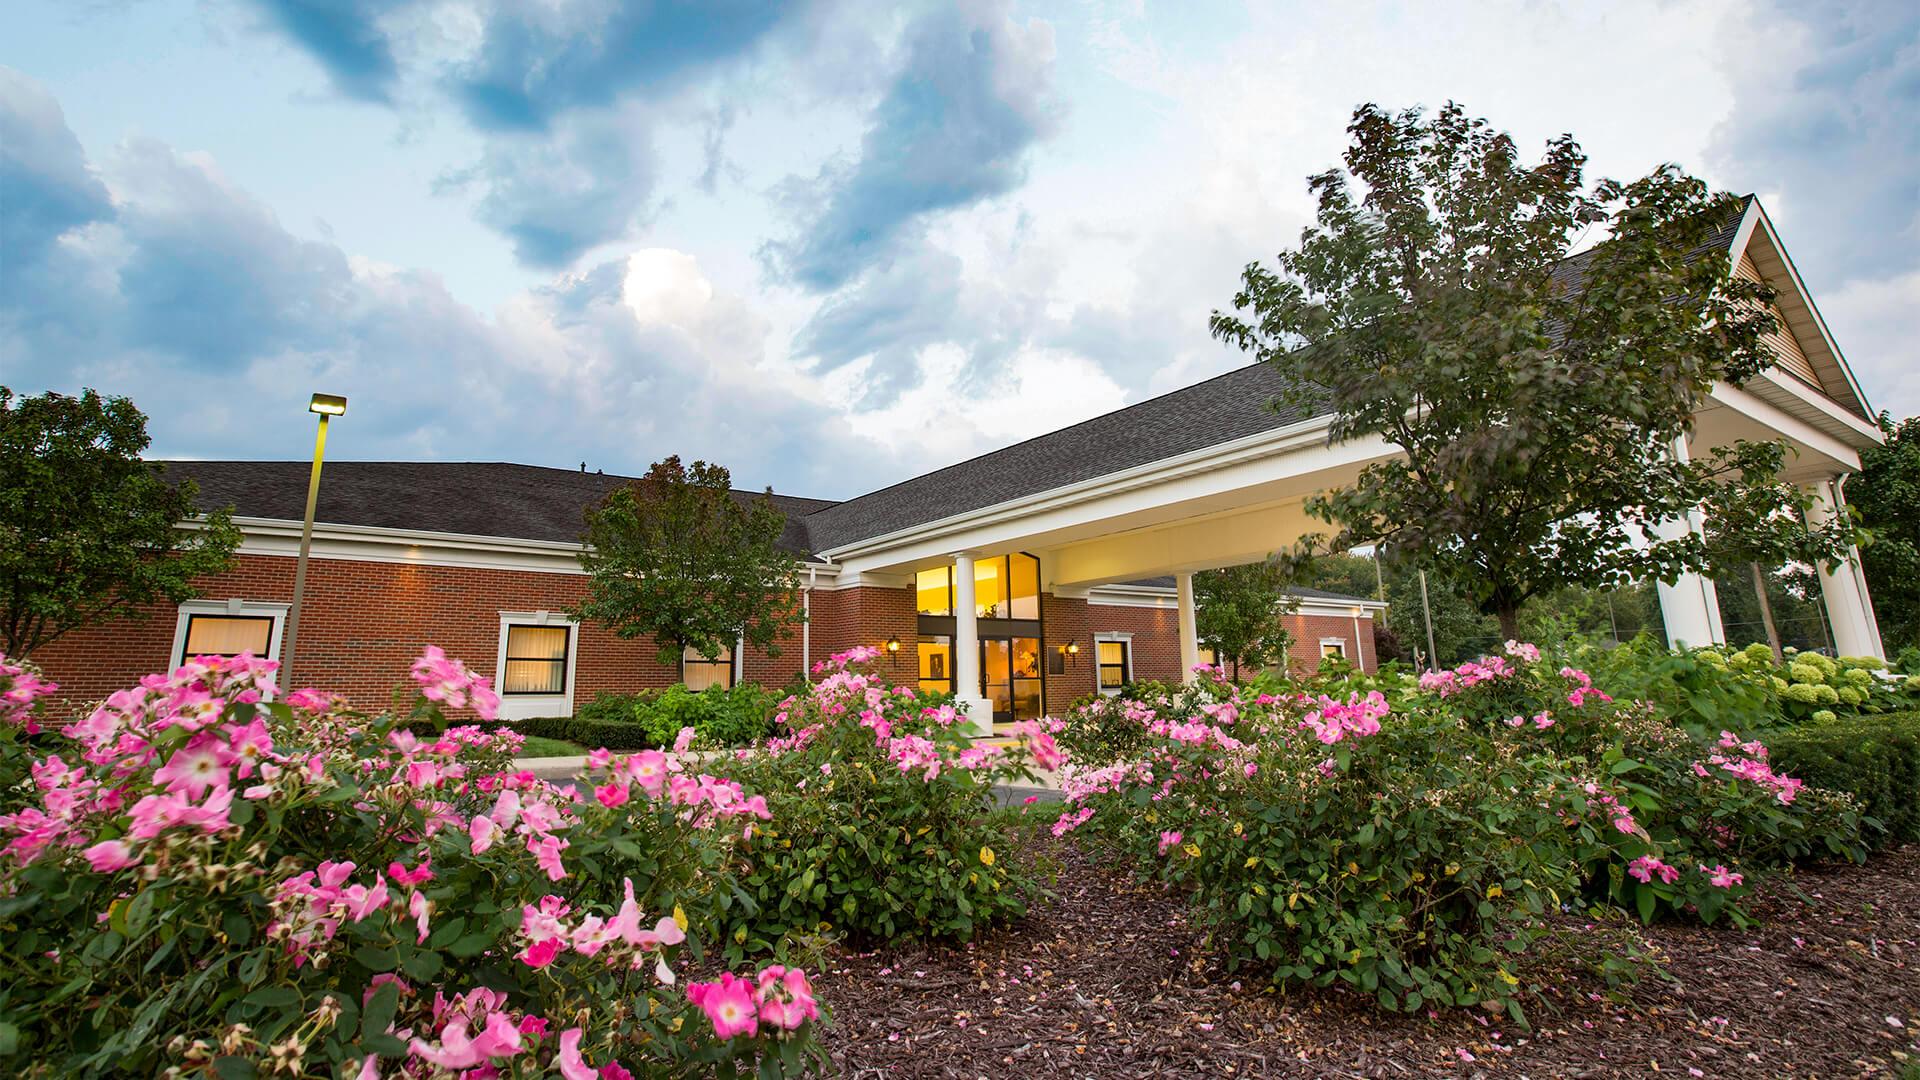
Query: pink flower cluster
310	908
1583	687
19	689
477	1034
1467	675
1169	840
840	661
448	682
1748	761
1612	807
1040	743
1541	720
623	938
1646	867
1333	720
781	998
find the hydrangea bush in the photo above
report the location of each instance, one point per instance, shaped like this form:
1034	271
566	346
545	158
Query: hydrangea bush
198	878
880	831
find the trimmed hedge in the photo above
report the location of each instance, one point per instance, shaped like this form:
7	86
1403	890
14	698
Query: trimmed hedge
613	735
1876	758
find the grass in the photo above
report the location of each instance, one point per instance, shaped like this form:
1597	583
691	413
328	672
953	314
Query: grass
539	747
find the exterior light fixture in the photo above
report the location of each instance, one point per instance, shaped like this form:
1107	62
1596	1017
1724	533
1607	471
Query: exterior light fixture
893	644
327	406
1073	648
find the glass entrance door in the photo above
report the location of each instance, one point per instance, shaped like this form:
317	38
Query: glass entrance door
1010	676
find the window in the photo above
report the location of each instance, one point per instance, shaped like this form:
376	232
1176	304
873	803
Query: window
536	661
227	636
1209	655
699	671
1114	659
1004	587
934	588
936	664
1333	648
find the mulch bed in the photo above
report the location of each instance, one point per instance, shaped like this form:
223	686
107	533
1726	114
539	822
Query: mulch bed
1109	979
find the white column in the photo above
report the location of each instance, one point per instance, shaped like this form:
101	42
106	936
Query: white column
1690	607
1189	632
966	649
1844	586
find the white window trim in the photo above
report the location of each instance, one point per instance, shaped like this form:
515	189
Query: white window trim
1340	641
1125	638
523	706
235	606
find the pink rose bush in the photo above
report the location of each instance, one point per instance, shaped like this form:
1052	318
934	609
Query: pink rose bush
1402	836
195	875
1642	788
878	797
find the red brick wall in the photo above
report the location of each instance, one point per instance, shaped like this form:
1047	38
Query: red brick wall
868	615
362	623
1064	621
1307	630
1156	637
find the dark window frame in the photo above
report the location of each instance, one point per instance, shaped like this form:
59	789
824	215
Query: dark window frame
566	655
186	639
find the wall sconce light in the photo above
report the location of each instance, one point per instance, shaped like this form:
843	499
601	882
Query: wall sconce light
1073	648
893	644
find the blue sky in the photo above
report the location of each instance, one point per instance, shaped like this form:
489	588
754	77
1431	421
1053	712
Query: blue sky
827	243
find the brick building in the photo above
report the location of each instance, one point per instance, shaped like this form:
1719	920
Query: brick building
478	559
1020	579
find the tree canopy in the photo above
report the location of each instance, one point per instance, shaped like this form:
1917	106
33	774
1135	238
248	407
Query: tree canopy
1240	614
89	532
679	557
1886	494
1536	392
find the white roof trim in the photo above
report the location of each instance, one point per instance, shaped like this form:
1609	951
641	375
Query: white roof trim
1262	444
1756	220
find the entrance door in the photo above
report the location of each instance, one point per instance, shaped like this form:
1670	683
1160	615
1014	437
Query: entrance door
996	677
1010	678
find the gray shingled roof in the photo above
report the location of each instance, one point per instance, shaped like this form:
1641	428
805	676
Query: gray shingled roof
476	498
1219	410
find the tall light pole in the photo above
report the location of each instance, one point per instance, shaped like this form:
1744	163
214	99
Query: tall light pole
328	406
1426	609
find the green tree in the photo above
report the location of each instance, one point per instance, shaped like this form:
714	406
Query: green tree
1534	394
1240	612
679	557
1886	495
1460	631
88	531
1761	523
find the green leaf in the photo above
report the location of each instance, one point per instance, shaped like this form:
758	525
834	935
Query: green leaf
273	997
375	959
378	1014
233	1068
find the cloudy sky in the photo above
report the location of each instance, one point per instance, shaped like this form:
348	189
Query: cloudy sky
828	243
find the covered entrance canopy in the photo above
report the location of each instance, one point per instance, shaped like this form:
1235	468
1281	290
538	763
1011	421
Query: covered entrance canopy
1210	476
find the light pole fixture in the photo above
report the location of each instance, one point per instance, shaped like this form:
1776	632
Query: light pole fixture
327	406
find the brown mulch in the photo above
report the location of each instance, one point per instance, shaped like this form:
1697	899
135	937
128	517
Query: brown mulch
1109	979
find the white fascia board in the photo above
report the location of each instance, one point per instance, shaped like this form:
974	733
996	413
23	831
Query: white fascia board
1266	444
1793	274
1340	609
1784	405
367	543
1150	596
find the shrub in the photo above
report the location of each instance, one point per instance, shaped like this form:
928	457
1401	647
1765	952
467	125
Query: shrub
1875	759
608	707
612	735
1404	849
1406	861
1680	805
881	829
719	717
195	878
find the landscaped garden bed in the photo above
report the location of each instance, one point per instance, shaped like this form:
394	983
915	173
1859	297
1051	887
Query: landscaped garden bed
1110	978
